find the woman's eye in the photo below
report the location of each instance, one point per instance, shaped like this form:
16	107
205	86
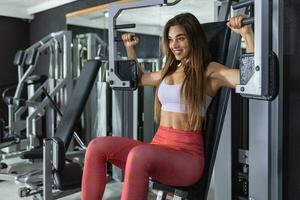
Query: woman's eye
181	38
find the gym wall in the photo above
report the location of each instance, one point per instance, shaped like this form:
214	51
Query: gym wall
14	35
291	101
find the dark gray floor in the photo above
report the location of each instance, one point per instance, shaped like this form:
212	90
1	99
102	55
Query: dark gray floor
9	189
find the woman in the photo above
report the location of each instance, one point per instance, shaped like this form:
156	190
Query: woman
186	85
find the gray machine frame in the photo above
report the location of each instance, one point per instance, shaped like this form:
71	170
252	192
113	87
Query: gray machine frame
59	81
59	86
265	121
96	111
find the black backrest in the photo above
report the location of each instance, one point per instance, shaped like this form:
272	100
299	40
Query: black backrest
218	36
77	101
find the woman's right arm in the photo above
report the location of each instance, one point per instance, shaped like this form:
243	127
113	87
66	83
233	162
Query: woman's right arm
149	78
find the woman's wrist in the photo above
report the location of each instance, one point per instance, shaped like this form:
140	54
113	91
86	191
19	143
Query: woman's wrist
249	36
249	44
131	52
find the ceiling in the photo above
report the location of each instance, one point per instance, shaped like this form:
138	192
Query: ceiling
27	8
148	20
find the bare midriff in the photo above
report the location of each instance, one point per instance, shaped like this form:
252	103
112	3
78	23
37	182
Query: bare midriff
174	120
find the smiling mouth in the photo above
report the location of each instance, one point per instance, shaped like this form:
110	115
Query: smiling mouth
177	52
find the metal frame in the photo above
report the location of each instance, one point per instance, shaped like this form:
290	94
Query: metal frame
221	185
59	85
94	119
55	72
259	81
148	111
48	193
114	11
265	122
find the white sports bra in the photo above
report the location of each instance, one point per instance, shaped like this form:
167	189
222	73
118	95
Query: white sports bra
169	97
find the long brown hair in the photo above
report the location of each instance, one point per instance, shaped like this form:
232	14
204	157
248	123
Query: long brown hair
193	87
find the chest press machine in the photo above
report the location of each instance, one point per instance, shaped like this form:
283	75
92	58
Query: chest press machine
67	175
218	36
259	80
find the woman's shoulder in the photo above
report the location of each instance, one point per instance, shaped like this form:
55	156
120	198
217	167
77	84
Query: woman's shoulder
212	67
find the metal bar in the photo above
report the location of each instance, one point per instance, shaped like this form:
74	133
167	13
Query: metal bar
262	41
8	177
259	111
46	39
41	45
242	4
248	21
43	105
223	173
172	3
57	109
277	105
124	26
161	195
222	10
47	170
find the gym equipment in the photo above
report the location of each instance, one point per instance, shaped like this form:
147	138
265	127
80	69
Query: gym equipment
62	175
248	72
59	84
67	176
126	71
94	121
265	118
259	71
116	81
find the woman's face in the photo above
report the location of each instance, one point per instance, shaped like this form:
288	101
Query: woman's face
178	42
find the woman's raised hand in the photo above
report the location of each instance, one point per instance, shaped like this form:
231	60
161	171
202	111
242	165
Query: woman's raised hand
235	24
130	39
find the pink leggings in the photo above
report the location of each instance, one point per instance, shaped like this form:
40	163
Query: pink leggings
173	157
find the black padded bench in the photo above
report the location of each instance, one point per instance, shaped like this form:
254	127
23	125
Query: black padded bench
67	175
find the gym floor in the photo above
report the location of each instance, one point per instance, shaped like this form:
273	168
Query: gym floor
9	189
112	192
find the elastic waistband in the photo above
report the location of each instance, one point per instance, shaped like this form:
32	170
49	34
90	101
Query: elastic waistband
178	130
188	141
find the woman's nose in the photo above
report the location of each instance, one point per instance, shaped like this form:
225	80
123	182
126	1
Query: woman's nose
175	44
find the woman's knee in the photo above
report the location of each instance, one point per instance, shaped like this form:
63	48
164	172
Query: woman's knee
141	156
97	146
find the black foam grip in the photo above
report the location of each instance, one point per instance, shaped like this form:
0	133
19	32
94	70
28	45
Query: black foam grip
18	58
30	57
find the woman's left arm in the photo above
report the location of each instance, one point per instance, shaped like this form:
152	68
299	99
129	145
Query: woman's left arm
221	75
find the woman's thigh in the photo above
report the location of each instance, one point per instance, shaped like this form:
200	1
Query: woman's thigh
169	166
112	149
